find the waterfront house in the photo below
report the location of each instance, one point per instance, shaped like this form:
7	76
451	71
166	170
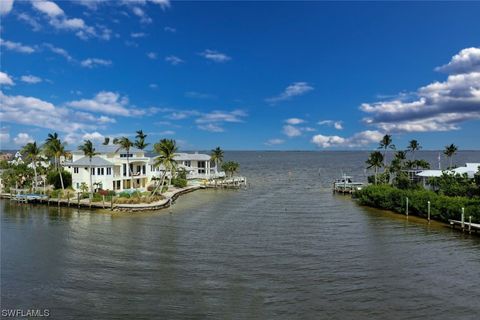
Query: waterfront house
110	168
469	169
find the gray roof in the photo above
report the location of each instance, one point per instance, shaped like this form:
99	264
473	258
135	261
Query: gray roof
192	156
111	148
85	161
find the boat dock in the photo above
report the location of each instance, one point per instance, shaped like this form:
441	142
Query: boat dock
234	183
465	226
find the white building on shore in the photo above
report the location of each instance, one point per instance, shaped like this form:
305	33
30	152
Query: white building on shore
110	168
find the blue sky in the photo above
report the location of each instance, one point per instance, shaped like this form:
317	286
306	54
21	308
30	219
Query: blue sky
251	75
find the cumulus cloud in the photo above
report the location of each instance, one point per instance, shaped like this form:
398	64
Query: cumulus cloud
170	29
211	127
293	90
215	56
36	112
94	136
439	106
138	34
152	55
5	79
31	79
144	18
5	7
291	131
467	60
31	21
331	123
93	62
16	46
22	139
294	121
106	102
174	60
274	142
359	139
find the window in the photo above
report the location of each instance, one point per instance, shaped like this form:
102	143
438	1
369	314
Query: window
75	170
124	167
99	171
109	171
144	169
93	171
187	163
126	155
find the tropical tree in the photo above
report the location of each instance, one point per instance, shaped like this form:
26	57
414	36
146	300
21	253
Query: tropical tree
230	167
386	143
32	153
106	141
126	144
375	161
88	151
55	148
217	157
140	140
413	146
450	151
166	150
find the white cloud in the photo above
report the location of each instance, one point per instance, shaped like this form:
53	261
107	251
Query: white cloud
211	127
36	112
16	46
152	55
198	95
106	102
359	139
59	51
274	142
5	7
138	34
153	86
170	29
215	56
294	121
291	131
36	26
293	90
48	7
22	139
93	62
4	137
439	106
5	79
88	117
222	116
174	60
467	60
31	79
144	18
332	123
94	136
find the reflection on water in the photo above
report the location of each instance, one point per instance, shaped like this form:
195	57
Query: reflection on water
284	248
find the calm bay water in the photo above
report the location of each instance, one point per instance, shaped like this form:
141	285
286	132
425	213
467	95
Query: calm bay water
285	248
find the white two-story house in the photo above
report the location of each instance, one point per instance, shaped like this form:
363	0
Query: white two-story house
109	168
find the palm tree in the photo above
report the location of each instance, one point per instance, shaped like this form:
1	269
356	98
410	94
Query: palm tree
386	143
126	144
413	146
88	151
55	148
216	156
375	161
32	153
106	141
230	167
140	140
166	150
450	151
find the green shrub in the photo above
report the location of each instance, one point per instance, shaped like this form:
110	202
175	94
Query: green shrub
179	182
442	207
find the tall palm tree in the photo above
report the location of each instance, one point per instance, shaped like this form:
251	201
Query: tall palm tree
413	146
216	156
450	151
106	141
55	148
166	150
32	152
140	140
386	143
88	151
126	144
375	161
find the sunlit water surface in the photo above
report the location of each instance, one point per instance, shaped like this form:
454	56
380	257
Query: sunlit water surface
285	248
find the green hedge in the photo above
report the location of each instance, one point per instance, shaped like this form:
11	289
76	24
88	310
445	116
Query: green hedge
442	207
